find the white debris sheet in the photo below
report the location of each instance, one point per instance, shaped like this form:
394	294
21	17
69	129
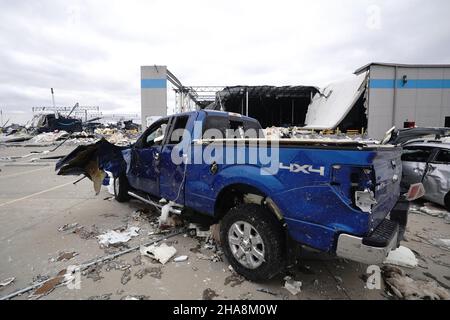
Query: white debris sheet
49	137
113	237
403	257
332	105
161	253
180	259
7	282
294	287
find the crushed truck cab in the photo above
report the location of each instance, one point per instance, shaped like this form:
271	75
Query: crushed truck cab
339	196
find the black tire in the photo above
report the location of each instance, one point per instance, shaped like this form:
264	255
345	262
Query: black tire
447	201
121	183
269	230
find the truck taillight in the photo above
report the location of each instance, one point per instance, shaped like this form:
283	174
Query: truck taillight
356	184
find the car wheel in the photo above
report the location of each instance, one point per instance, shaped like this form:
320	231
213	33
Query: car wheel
121	188
253	242
447	201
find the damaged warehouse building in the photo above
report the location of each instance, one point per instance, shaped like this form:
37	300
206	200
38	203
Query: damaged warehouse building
376	98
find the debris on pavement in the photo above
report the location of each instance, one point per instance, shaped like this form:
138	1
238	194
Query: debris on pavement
113	237
130	297
116	265
209	294
7	282
68	227
197	231
126	276
294	287
234	280
155	272
93	272
86	233
431	210
403	257
49	285
404	287
264	290
64	256
442	243
137	261
106	296
180	258
161	253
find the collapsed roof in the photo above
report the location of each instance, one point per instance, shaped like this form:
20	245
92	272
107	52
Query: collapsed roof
270	105
267	92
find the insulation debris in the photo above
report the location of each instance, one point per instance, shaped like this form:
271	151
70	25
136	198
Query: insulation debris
49	137
403	257
294	287
161	253
407	288
113	237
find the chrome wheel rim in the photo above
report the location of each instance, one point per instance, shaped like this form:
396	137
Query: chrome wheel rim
246	244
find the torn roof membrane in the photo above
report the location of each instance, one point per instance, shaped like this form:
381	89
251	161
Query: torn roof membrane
329	107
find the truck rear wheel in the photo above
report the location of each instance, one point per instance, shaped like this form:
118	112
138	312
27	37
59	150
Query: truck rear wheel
121	188
253	242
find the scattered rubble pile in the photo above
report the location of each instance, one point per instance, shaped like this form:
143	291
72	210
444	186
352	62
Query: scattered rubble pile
407	288
302	134
33	135
431	210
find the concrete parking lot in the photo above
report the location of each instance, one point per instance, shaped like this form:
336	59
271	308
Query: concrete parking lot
35	203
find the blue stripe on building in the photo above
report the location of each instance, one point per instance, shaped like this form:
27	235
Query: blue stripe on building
410	84
153	83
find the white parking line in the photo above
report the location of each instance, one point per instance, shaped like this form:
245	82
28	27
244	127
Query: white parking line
21	173
35	194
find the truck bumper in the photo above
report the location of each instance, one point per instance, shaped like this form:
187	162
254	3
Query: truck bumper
369	250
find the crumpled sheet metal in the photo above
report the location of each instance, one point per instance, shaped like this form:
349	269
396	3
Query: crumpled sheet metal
91	161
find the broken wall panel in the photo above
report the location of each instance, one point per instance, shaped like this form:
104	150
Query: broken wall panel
334	103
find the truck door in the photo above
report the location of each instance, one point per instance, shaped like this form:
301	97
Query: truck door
436	181
173	171
414	161
143	174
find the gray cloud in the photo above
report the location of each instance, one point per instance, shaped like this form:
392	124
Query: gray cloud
91	51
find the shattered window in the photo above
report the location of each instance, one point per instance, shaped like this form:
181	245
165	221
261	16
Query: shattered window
156	134
177	133
417	154
443	157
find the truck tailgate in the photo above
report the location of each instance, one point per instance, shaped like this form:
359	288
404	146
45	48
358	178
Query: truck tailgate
388	171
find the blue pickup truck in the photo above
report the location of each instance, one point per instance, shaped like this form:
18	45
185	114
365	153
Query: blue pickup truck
337	196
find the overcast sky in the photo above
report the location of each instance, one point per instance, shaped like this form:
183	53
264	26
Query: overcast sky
91	51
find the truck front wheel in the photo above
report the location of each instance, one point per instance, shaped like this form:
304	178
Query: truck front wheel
253	242
121	188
